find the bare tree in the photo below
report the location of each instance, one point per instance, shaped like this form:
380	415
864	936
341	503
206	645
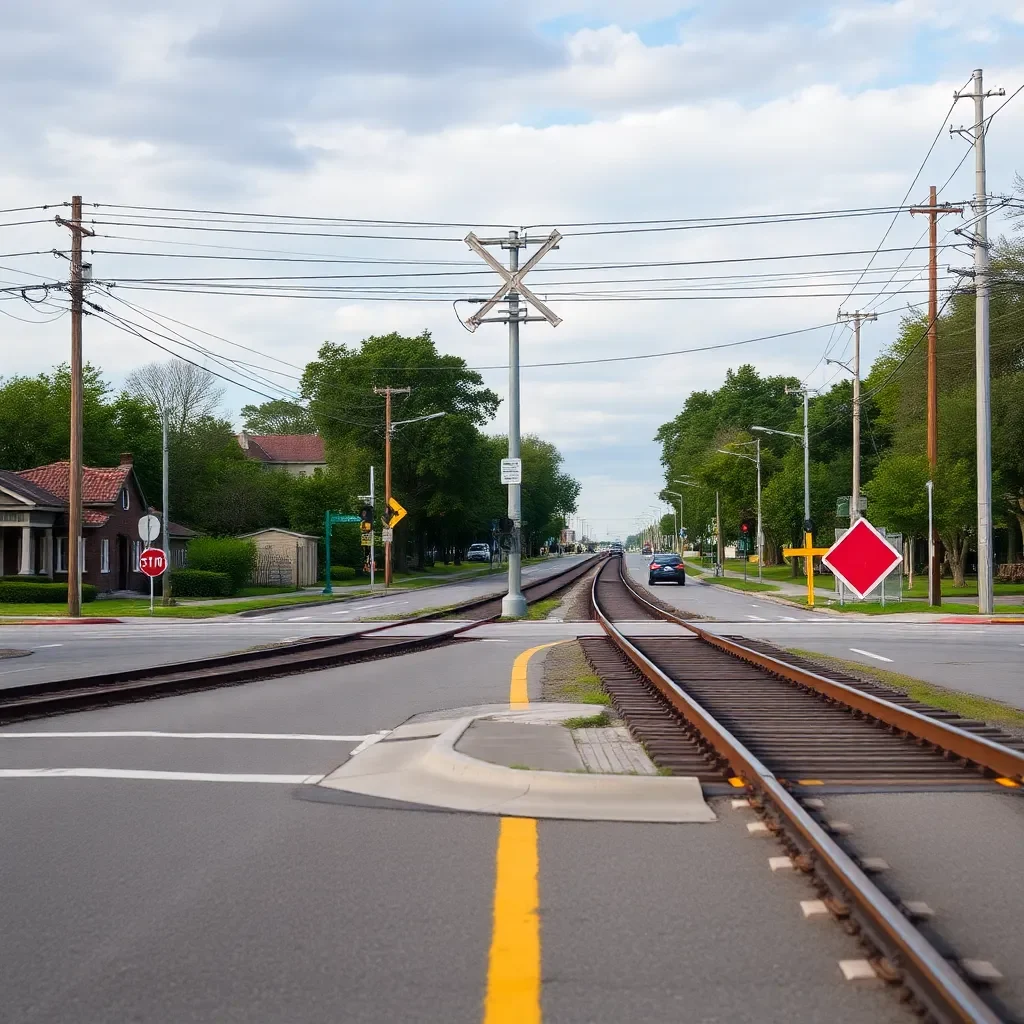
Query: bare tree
188	392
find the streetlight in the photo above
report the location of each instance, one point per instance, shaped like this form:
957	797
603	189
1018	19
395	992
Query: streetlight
807	462
690	483
760	540
677	539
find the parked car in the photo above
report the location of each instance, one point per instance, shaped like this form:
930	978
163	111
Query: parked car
667	568
478	553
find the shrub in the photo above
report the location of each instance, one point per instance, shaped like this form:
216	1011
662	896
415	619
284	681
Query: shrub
25	579
200	583
41	593
228	555
342	572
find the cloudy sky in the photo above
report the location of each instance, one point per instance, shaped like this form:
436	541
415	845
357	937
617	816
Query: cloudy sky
491	115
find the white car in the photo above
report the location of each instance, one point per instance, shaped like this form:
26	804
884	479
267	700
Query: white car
478	553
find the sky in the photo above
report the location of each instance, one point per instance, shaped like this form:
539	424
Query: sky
461	115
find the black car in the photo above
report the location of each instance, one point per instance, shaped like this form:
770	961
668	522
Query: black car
667	569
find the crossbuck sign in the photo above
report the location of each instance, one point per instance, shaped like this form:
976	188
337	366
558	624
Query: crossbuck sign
513	281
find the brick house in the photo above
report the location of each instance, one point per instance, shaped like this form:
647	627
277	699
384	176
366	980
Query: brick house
34	524
297	454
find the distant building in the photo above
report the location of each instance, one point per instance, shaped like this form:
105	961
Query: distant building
568	537
297	454
284	557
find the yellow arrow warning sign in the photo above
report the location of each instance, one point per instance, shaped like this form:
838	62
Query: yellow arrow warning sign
399	513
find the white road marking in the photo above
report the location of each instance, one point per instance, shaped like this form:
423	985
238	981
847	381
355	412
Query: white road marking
757	618
147	734
789	618
368	741
301	618
42	647
868	654
138	773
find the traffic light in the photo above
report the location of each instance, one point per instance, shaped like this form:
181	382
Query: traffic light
366	518
505	525
745	528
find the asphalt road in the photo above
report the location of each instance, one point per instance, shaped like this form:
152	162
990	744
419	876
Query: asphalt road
180	899
986	660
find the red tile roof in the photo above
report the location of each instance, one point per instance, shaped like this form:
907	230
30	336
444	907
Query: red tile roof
99	485
286	447
93	517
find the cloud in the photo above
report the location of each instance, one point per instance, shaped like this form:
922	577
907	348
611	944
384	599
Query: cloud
225	106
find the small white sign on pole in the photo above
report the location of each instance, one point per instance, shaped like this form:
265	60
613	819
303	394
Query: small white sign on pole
387	535
149	529
511	471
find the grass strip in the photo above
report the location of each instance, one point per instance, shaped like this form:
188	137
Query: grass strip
969	705
752	585
597	721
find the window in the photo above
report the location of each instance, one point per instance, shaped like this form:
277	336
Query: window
124	498
105	555
62	554
136	552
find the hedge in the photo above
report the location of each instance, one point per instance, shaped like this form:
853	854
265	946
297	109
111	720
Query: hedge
228	555
25	579
41	593
200	583
342	572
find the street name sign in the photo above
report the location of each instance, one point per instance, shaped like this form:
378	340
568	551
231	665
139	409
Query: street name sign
511	471
862	558
152	562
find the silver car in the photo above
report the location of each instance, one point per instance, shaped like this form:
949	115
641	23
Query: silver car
478	553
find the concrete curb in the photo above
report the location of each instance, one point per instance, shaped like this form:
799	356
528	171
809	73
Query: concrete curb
418	764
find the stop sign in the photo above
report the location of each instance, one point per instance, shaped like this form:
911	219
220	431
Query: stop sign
862	558
152	562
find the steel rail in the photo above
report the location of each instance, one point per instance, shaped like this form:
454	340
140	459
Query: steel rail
57	696
1001	760
934	982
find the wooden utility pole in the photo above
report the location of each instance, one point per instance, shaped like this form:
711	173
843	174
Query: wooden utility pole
74	552
387	393
932	210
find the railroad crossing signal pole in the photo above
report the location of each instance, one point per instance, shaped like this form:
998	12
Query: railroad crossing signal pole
513	604
933	210
76	289
387	393
857	318
983	403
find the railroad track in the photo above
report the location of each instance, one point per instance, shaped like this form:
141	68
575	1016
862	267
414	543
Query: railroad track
35	700
731	710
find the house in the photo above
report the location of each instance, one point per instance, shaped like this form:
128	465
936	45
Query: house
284	557
34	525
297	454
180	536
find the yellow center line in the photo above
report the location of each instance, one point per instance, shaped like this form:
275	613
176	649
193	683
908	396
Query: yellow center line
518	691
513	965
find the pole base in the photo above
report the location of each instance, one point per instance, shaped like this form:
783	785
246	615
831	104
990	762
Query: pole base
513	606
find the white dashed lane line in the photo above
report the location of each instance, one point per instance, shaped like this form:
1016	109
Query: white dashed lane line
6	734
869	654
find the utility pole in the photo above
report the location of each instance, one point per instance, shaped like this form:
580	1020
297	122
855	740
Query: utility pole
933	210
387	393
720	543
76	288
983	401
856	318
165	580
513	604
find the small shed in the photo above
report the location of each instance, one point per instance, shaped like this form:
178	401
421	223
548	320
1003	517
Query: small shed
284	557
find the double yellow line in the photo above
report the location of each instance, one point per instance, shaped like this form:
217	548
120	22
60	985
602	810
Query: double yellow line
513	967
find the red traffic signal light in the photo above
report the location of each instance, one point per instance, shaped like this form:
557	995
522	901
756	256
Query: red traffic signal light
745	527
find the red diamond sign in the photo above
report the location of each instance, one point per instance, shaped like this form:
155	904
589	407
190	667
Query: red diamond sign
862	558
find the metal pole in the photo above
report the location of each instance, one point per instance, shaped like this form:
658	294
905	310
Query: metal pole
760	536
855	498
387	484
984	397
931	536
513	604
719	546
75	467
807	464
372	555
165	580
328	589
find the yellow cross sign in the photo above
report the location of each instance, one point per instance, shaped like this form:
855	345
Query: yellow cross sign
807	552
399	513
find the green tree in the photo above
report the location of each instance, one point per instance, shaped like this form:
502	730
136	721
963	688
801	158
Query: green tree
278	416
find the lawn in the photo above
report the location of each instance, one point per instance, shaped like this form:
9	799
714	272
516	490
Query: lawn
920	588
781	573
